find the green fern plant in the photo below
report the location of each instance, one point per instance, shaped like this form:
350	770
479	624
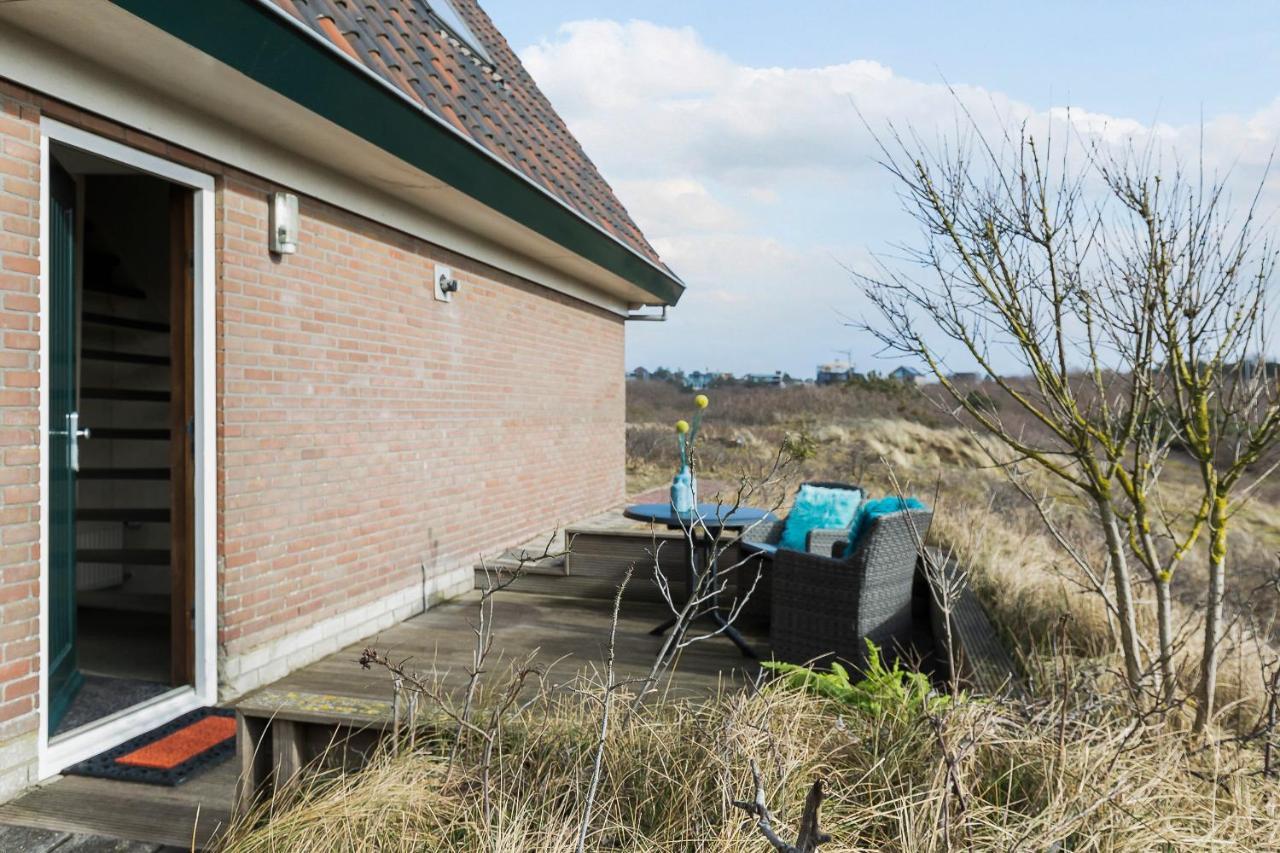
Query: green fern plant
880	689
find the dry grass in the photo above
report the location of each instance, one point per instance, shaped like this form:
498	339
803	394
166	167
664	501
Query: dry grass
1026	582
1067	770
1029	778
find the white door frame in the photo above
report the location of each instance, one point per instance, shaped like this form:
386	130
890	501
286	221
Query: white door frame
64	750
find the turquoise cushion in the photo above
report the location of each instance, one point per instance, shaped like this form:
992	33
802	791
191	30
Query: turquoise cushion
872	510
818	508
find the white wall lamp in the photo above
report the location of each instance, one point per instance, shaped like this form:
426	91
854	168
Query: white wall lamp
445	283
284	223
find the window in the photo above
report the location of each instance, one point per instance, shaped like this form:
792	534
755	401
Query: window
447	14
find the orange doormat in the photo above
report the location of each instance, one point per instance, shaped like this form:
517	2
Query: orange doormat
170	754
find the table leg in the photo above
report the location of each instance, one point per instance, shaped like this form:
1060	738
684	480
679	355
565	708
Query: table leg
699	571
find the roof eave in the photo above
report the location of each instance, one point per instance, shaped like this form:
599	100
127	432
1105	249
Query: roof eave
284	55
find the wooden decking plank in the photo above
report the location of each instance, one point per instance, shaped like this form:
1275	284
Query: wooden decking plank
123	817
81	843
26	839
440	640
152	814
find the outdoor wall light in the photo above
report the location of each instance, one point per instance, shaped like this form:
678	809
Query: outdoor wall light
284	223
445	284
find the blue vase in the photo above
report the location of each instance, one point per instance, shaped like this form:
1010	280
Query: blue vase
683	495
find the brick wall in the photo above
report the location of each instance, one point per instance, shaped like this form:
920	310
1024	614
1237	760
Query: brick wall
19	436
372	442
368	431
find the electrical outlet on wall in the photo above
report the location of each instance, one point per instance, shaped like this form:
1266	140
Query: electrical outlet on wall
444	284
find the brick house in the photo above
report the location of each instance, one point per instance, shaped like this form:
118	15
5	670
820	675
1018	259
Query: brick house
219	461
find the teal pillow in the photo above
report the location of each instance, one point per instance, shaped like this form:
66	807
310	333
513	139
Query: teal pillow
818	508
872	510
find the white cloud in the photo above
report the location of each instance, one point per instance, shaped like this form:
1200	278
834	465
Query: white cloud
756	183
682	204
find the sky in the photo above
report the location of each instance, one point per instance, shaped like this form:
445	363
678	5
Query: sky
740	135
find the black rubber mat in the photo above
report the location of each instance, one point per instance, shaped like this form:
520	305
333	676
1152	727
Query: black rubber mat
107	765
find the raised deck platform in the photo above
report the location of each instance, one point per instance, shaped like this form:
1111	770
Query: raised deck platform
336	689
336	694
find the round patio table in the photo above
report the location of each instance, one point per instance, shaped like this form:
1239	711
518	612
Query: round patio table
712	520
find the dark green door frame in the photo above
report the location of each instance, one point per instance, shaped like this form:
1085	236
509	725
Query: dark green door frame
65	678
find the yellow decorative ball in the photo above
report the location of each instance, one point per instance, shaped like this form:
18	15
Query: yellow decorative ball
682	426
701	401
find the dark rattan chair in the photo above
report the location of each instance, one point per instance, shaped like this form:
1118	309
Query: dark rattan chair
825	607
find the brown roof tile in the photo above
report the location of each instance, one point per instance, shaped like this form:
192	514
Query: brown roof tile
497	105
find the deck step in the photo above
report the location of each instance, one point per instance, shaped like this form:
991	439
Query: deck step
984	661
114	322
124	357
136	556
130	434
125	514
136	395
123	473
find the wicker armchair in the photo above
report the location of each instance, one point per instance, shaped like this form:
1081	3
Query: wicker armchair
824	607
757	547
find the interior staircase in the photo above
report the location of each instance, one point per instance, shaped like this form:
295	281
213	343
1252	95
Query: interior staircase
125	400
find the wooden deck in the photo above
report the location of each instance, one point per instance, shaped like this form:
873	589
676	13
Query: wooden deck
560	609
573	631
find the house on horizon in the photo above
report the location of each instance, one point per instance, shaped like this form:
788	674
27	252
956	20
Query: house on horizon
701	380
297	297
835	373
907	375
775	379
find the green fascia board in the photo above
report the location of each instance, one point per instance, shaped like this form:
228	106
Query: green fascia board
264	46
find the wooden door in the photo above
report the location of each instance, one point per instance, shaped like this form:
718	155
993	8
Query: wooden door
64	673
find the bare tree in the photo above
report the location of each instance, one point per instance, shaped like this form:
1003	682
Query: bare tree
1010	238
609	686
431	686
1209	272
715	583
1131	306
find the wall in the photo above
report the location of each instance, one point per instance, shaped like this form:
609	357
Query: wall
373	437
19	438
372	442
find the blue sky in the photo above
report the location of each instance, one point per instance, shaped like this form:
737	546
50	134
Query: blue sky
728	130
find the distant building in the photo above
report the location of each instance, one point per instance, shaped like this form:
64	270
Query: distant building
964	378
834	373
773	379
699	380
641	374
907	375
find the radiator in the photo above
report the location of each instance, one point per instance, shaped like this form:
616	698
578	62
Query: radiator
100	535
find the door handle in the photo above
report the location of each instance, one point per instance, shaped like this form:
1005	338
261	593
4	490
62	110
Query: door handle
73	427
73	434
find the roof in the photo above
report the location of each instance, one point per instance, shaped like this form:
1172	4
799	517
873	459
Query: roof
282	51
498	105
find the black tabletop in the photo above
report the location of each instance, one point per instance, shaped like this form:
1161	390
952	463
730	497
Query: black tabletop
713	516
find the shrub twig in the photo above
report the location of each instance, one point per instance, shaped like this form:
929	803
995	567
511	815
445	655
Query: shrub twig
809	836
